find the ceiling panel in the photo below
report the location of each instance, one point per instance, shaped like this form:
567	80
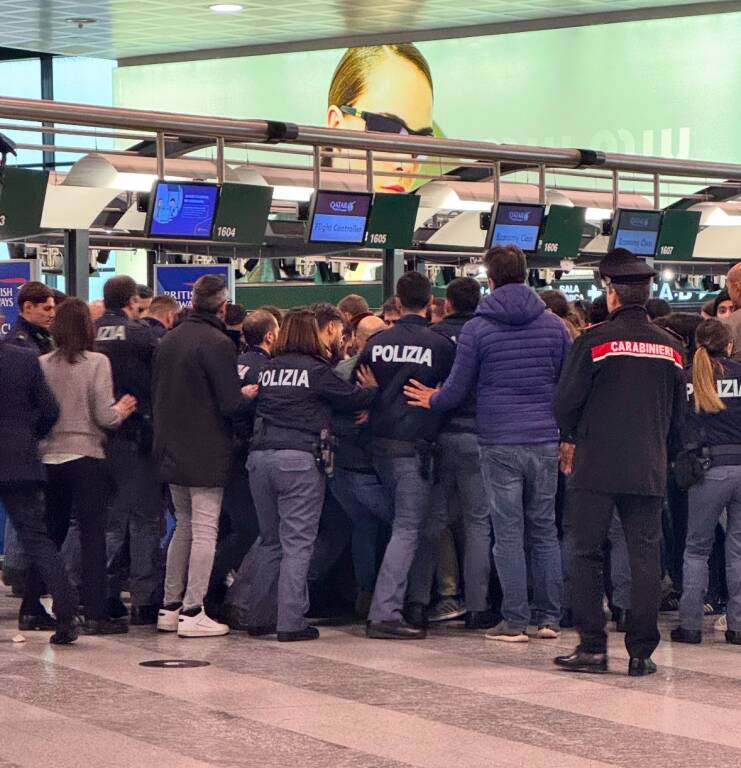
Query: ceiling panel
135	28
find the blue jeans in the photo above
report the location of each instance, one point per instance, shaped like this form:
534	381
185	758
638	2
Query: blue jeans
410	492
368	506
460	475
720	489
521	482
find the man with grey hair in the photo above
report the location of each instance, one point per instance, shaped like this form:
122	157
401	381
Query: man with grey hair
733	286
197	392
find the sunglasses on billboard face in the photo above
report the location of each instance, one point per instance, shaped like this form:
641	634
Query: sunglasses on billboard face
385	123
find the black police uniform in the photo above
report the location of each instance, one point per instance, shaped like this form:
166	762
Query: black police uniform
238	527
136	507
620	399
403	443
157	327
460	487
30	336
297	395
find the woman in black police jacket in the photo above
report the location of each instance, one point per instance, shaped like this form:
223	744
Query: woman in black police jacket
714	393
298	391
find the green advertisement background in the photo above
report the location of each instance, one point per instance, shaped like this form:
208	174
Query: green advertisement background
667	87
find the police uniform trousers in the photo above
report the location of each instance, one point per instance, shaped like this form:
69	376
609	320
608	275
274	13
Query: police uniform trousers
136	508
459	475
411	494
288	491
588	519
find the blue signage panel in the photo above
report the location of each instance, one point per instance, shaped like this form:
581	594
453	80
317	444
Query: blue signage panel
177	280
13	274
514	224
183	210
339	217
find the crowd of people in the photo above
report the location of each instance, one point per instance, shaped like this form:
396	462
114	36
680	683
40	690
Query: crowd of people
516	461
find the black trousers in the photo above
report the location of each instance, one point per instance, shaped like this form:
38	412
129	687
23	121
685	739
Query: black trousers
24	504
79	486
587	521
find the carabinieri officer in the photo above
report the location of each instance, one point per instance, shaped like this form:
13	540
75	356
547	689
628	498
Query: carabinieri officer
287	464
620	408
404	444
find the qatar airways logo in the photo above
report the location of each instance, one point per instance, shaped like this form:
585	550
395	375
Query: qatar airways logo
638	222
343	206
521	217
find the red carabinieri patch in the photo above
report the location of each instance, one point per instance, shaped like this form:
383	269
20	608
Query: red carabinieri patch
645	349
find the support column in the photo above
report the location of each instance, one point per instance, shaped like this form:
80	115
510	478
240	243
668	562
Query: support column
77	263
393	268
47	92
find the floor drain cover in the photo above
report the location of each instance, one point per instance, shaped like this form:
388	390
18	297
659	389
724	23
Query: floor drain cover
174	663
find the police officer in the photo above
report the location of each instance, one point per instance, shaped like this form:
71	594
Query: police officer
260	330
460	480
136	507
404	444
620	407
36	311
287	464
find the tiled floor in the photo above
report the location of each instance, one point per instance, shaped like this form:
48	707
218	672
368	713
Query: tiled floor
454	699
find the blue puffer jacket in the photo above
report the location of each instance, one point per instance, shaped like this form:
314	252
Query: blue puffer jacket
512	352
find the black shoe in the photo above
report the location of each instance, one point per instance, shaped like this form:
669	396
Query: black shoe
270	629
415	614
622	621
36	622
66	633
104	627
691	636
733	637
581	661
309	633
394	630
641	667
115	609
481	620
143	615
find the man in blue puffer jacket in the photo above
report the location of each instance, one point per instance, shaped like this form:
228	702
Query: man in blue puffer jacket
512	352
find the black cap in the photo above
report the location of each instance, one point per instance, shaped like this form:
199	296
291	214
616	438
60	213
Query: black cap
621	266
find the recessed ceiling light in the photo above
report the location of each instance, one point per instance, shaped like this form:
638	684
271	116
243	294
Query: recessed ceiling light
81	21
226	8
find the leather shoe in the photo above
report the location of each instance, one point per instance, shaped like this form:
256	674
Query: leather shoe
104	627
481	619
733	637
641	667
143	615
682	635
415	614
582	661
36	622
66	633
394	630
116	609
308	633
622	621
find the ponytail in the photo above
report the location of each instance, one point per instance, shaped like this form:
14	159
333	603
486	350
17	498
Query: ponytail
712	339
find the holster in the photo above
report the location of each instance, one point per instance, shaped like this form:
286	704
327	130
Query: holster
428	460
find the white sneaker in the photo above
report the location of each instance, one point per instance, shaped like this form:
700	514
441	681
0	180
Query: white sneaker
167	620
200	626
721	624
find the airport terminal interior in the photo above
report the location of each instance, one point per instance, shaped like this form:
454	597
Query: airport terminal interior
370	383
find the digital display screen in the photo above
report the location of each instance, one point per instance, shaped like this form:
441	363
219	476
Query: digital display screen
183	210
339	217
519	225
637	231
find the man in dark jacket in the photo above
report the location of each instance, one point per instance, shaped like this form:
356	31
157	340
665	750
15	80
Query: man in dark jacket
513	352
620	407
461	485
197	393
28	412
36	312
404	444
136	507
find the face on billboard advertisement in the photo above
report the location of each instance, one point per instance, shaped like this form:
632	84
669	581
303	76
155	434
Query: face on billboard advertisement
549	87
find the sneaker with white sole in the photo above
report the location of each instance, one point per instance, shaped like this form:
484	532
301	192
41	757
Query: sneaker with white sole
447	609
167	617
721	623
200	625
548	632
505	634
